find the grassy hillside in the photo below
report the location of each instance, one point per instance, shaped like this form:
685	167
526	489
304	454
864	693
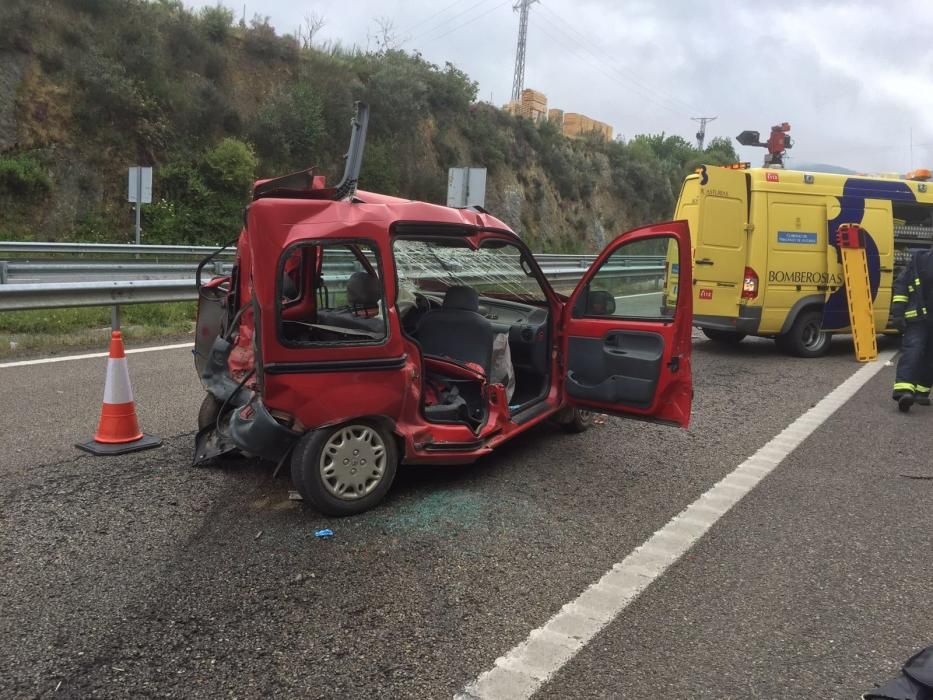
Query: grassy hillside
89	87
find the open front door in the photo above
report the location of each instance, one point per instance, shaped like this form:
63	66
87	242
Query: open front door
627	328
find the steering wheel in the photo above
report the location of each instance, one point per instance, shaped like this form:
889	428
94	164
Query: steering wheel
422	303
413	317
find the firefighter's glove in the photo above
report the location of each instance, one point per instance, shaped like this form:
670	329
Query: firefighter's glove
899	323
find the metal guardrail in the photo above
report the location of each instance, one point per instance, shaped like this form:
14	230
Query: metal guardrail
21	272
62	283
86	269
15	297
36	248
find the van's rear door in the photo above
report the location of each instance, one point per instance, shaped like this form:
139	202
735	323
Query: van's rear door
720	243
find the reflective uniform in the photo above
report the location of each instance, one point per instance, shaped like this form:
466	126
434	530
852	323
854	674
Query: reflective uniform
913	298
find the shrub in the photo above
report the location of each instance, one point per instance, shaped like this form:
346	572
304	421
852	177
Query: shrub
260	39
23	176
201	200
397	94
380	172
289	127
94	7
110	95
230	166
216	22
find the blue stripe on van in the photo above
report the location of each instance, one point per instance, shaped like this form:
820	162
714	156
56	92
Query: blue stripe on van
852	211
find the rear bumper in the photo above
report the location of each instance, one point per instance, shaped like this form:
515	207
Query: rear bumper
747	322
254	430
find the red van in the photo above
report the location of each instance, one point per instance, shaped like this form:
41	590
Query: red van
358	331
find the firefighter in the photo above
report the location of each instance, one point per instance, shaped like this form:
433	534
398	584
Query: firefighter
913	298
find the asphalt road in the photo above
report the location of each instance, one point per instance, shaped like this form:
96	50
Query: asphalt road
138	575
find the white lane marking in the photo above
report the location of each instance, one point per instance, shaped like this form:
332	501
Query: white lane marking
68	358
528	666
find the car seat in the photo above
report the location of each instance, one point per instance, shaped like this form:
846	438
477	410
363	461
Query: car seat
457	330
364	292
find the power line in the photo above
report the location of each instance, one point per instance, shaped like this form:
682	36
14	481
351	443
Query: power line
440	24
583	41
599	63
600	66
470	21
430	17
518	81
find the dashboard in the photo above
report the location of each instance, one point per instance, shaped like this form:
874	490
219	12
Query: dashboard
526	327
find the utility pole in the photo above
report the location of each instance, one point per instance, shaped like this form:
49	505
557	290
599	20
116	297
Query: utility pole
701	134
518	82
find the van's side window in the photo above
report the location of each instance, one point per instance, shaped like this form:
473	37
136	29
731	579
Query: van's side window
331	294
639	280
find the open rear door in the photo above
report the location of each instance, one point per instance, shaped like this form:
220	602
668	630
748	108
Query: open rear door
721	252
626	347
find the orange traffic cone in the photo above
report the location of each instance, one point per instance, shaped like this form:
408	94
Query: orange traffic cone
118	431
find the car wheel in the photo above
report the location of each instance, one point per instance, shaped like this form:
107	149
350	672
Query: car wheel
579	421
806	338
210	409
345	469
723	337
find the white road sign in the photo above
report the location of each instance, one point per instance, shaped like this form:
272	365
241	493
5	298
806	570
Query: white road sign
139	182
466	187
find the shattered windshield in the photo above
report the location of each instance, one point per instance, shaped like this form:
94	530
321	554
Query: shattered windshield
430	266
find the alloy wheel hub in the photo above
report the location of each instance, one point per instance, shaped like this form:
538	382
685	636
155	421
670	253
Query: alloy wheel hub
353	462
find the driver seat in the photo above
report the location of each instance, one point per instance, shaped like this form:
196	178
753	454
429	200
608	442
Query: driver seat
457	330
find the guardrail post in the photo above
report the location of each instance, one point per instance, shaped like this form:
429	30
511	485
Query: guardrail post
115	317
219	267
4	271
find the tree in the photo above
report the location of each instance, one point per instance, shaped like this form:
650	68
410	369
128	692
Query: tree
289	127
216	22
721	151
313	24
386	36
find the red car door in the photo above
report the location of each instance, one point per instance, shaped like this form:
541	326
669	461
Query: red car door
626	329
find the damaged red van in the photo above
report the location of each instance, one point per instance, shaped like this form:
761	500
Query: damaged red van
359	331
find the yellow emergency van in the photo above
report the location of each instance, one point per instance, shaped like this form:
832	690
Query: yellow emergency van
765	260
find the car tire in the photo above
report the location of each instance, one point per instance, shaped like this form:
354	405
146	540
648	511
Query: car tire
210	409
329	467
805	337
723	337
579	422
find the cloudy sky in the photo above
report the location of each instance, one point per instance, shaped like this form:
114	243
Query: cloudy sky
853	77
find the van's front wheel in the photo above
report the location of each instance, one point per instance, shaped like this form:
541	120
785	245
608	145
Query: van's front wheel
345	469
806	338
723	337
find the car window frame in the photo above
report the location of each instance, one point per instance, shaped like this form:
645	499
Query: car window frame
327	344
658	318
